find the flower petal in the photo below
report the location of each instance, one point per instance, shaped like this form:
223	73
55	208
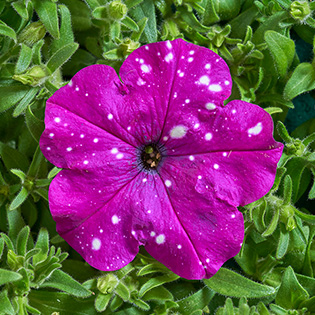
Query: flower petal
70	141
171	75
239	126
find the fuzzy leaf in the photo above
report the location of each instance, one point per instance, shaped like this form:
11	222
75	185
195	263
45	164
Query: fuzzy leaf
6	30
290	293
24	60
5	305
19	199
282	49
302	80
230	283
62	281
47	12
7	276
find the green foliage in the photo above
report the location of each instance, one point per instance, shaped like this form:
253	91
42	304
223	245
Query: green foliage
45	42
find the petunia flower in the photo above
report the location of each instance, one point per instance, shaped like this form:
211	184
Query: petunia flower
153	158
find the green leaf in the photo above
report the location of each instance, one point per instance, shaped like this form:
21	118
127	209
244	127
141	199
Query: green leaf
158	294
230	283
53	172
122	291
34	125
24	60
47	12
11	94
191	20
6	30
210	16
62	281
101	301
283	133
129	23
19	198
66	34
25	101
146	9
51	302
302	80
273	223
19	173
283	242
196	301
61	56
1	246
273	110
5	305
43	244
7	276
22	239
157	281
287	190
282	49
291	293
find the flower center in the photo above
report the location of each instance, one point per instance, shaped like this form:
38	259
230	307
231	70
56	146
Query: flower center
151	156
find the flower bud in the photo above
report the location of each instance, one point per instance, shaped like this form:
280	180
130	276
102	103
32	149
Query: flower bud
107	284
34	76
117	10
300	10
227	9
33	33
287	217
295	148
128	46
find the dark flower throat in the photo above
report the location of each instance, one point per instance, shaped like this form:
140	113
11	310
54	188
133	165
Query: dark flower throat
151	156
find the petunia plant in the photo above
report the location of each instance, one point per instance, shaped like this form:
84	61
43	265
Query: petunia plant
153	158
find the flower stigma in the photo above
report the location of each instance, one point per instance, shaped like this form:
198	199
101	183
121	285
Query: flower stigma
151	156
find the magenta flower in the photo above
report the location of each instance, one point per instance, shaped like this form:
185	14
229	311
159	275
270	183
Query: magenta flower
155	159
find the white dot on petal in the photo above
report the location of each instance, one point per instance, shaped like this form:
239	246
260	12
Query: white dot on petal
226	82
210	106
233	111
86	162
233	216
200	263
57	120
255	130
168	44
175	95
82	136
207	66
141	61
114	151
224	154
181	74
145	68
215	88
191	157
199	176
168	183
95	140
191	52
101	231
96	244
207	260
119	156
115	219
169	57
208	136
128	128
216	166
178	132
51	135
146	47
187	101
133	232
86	94
77	88
179	246
165	138
204	80
196	126
69	149
141	82
190	59
144	180
160	239
152	233
48	148
110	116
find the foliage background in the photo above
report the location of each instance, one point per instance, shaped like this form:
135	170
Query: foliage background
269	47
